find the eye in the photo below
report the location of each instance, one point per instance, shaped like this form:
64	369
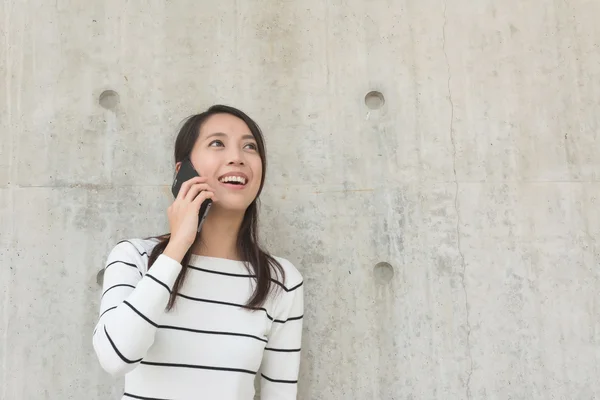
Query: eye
215	143
251	146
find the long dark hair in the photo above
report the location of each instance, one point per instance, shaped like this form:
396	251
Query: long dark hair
260	264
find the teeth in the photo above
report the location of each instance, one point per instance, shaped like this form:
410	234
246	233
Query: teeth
238	179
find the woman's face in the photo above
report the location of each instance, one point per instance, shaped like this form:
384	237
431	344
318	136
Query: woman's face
227	154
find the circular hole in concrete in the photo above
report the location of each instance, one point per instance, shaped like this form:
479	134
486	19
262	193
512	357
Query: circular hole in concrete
384	272
100	277
374	100
109	99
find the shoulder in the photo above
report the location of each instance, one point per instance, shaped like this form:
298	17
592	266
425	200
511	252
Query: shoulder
142	246
293	278
133	250
290	300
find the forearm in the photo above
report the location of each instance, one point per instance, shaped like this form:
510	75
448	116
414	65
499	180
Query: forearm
127	326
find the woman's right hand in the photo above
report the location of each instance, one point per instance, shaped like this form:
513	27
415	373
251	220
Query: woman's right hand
183	216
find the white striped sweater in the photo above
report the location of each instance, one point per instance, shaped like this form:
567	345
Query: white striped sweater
208	347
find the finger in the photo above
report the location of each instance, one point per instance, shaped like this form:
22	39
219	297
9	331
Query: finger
201	198
185	186
196	189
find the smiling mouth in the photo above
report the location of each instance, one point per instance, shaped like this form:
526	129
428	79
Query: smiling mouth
234	180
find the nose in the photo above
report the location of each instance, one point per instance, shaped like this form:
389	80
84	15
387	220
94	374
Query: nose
235	157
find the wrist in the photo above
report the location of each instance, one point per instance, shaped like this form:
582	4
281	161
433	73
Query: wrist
176	250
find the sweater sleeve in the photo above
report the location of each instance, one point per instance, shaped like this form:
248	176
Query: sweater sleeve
281	359
132	300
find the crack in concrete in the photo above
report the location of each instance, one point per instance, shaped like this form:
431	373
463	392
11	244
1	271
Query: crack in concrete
458	220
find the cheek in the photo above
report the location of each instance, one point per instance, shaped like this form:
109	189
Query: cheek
205	165
257	172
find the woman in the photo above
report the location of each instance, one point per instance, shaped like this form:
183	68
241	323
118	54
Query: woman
192	315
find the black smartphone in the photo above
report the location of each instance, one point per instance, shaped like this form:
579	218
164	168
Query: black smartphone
187	172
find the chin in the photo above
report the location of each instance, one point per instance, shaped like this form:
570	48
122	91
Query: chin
232	206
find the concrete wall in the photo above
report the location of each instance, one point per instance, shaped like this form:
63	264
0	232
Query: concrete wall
478	181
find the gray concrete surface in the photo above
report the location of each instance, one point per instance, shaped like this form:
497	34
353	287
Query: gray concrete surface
478	181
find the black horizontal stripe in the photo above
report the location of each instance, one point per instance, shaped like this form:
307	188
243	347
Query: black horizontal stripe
241	306
134	396
283	350
289	319
286	289
134	246
277	380
140	314
125	359
123	262
107	310
210	271
224	304
115	286
295	287
159	282
173	365
180	328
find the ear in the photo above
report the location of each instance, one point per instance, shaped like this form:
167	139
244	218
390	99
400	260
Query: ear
177	166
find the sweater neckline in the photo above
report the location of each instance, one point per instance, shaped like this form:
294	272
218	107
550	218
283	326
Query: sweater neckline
217	264
200	258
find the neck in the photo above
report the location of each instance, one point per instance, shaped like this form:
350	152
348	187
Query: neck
218	237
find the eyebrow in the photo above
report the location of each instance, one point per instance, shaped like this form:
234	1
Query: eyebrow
221	134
